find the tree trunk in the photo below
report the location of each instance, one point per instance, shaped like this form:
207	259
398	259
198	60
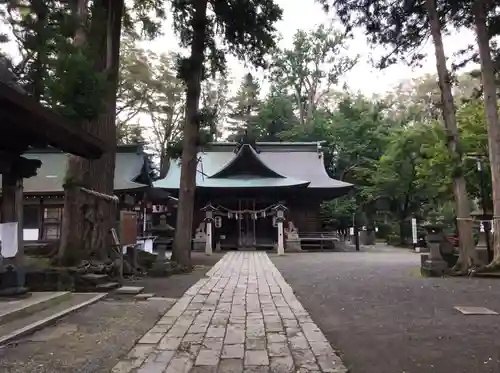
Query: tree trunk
86	224
467	258
184	226
491	111
164	162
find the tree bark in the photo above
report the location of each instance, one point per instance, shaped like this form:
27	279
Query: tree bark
467	257
491	111
86	223
184	227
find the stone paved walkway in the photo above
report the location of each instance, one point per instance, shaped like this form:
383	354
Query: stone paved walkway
243	318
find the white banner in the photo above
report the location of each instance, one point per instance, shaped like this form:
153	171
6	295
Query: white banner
414	230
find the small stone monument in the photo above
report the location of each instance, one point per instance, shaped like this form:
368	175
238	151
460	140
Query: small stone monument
200	238
292	239
434	265
485	238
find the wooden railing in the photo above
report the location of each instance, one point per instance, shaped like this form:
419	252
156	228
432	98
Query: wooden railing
321	240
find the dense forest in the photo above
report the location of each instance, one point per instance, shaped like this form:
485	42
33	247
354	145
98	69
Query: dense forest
412	152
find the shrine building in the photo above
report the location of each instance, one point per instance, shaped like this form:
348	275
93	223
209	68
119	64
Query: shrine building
241	186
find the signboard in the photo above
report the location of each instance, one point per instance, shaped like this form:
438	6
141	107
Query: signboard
128	228
414	230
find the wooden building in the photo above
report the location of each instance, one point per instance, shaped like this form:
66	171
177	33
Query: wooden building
44	194
243	184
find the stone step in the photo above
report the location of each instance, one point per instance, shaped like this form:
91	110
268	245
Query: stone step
108	286
144	296
12	309
95	278
31	323
129	290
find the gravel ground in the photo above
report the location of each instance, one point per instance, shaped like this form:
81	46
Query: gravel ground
89	341
384	318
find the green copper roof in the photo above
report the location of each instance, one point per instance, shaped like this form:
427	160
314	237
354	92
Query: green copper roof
129	165
295	164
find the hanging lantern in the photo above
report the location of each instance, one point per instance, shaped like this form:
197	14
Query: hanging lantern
263	214
229	215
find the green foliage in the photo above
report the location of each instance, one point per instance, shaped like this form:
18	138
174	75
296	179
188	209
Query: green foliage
52	69
76	90
307	72
339	212
246	29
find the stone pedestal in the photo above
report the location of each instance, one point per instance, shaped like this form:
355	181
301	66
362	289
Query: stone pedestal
292	245
434	266
162	266
12	280
367	237
199	243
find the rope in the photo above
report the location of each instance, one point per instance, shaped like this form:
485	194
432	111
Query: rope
246	211
106	197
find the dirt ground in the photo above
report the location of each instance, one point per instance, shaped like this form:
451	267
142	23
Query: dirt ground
93	339
384	318
88	341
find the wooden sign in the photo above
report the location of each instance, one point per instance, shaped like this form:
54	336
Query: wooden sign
128	228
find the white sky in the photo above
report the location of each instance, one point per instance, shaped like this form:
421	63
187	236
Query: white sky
306	14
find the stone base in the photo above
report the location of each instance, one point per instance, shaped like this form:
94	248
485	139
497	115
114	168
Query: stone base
14	292
292	246
199	244
367	238
12	282
482	255
433	268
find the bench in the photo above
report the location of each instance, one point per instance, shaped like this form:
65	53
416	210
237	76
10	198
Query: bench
319	239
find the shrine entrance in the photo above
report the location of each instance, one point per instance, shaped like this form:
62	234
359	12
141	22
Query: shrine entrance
245	223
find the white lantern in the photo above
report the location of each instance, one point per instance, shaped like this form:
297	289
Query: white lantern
218	222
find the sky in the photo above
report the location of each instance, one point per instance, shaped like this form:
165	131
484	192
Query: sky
364	78
305	15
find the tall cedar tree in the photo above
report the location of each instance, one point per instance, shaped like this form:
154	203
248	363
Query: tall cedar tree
86	225
404	27
247	31
480	10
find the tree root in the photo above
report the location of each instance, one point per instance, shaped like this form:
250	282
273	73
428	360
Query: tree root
466	268
494	266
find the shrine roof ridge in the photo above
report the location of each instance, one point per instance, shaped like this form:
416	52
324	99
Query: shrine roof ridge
276	146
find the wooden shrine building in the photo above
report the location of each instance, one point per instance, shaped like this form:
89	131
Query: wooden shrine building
241	186
44	193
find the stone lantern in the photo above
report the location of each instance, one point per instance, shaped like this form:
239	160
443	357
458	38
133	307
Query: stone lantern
280	219
485	239
209	219
434	266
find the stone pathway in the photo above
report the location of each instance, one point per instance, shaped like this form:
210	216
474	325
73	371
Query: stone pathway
243	318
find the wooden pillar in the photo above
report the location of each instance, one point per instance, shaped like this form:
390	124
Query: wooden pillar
12	206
